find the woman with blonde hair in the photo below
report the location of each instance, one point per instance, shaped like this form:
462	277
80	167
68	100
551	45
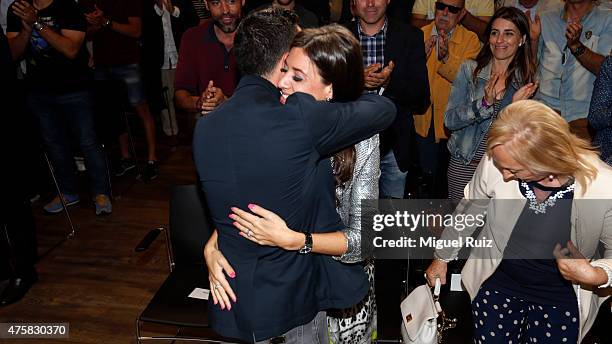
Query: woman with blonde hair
523	288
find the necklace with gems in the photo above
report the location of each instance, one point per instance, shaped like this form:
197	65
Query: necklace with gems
540	208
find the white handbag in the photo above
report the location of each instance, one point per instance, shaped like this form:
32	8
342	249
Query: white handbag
419	315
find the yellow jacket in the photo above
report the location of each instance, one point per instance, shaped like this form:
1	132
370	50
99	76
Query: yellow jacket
463	45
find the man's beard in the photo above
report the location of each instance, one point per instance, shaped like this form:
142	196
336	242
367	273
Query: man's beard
227	28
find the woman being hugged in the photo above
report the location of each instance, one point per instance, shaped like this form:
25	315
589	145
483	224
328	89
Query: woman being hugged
502	73
326	63
543	280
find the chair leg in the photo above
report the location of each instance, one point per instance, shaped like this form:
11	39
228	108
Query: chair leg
131	141
138	331
167	103
60	194
108	175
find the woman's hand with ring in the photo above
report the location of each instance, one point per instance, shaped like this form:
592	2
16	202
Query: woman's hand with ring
217	265
266	228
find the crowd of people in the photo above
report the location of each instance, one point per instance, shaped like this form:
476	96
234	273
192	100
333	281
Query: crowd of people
459	99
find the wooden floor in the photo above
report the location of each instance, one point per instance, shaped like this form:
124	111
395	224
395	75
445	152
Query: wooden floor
95	281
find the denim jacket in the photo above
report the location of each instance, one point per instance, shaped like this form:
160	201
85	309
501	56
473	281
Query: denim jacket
465	116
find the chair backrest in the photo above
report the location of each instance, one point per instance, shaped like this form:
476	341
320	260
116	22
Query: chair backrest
190	225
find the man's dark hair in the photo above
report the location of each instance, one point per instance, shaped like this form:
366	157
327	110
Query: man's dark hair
262	38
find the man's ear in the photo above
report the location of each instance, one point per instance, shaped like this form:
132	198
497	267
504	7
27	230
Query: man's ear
329	92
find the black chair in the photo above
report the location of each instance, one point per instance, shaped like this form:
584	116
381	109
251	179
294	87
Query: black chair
189	229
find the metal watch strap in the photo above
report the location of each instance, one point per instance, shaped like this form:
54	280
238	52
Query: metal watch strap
578	51
38	26
307	248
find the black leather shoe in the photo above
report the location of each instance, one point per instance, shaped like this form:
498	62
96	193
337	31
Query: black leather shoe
16	289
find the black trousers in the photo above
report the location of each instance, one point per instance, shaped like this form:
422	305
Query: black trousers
18	247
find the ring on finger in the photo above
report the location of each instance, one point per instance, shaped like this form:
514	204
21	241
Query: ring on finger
250	233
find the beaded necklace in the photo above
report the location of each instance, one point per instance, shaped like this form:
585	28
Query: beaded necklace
540	208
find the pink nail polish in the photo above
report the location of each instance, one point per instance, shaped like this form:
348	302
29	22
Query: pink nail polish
222	307
232	275
251	206
231	216
229	308
235	223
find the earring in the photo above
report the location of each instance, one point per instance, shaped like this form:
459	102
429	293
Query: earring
328	99
551	177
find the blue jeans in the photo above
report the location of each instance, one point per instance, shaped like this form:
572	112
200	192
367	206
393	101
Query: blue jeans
63	115
130	75
392	182
315	332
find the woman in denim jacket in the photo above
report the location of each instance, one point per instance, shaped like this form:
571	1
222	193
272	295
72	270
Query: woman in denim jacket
502	73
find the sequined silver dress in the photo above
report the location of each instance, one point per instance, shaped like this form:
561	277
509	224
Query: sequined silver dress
357	324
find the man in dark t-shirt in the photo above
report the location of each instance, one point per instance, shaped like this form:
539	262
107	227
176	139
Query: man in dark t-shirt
116	26
206	73
49	36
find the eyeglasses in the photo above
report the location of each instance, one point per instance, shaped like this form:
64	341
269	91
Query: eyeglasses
452	9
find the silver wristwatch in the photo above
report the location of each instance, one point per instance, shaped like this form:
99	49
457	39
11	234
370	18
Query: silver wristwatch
307	248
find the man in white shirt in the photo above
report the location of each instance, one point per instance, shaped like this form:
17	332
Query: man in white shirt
4	5
170	20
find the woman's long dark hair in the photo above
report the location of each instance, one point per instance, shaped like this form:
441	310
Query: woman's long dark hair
524	61
337	55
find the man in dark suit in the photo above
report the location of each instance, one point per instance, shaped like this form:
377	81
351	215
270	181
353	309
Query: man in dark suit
252	149
395	66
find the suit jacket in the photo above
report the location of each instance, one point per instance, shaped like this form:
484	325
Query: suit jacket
252	149
408	87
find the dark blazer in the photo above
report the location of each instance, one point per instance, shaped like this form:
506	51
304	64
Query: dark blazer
252	149
408	87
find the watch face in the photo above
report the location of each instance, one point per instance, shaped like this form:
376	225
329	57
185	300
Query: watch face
305	250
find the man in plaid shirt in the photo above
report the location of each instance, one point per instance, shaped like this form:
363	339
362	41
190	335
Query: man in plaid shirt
395	67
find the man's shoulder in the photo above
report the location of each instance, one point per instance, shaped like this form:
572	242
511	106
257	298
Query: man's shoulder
465	34
403	29
197	32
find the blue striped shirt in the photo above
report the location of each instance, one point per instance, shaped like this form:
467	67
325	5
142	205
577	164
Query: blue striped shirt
565	85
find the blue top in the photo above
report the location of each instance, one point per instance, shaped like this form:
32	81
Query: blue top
529	270
465	116
567	87
600	112
252	149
